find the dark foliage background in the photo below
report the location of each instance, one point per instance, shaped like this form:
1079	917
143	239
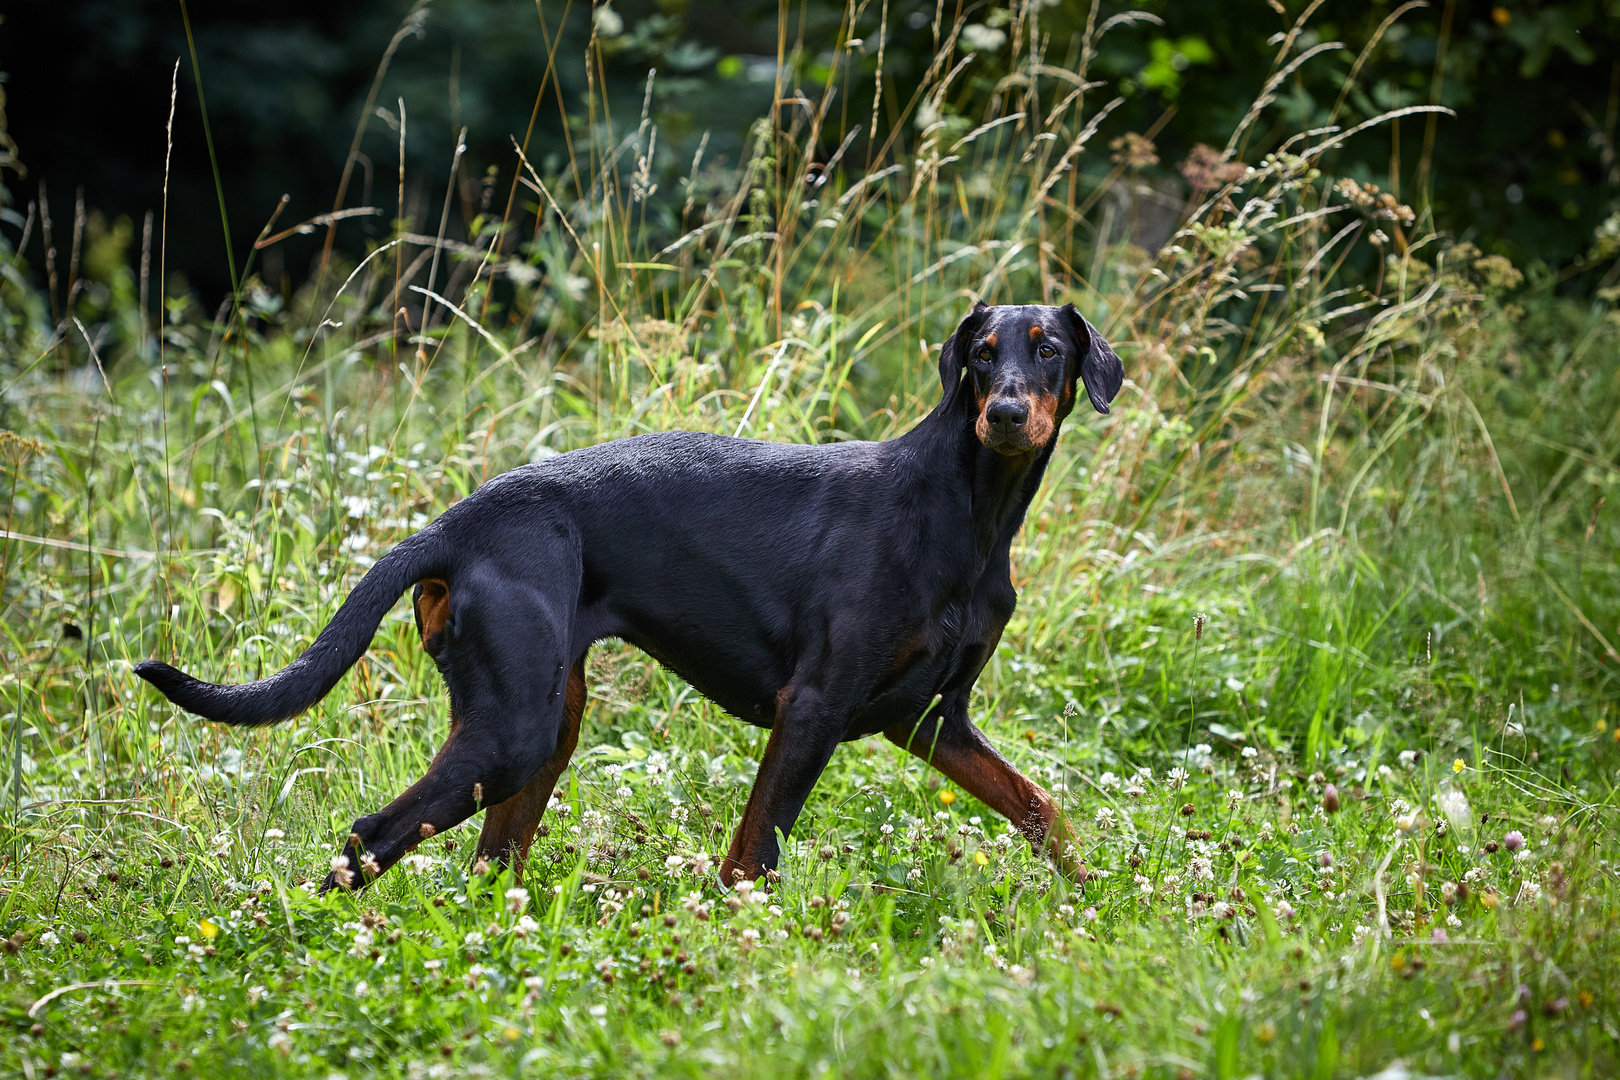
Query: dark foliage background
1526	169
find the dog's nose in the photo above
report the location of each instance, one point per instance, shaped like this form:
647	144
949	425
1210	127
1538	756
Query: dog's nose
1007	415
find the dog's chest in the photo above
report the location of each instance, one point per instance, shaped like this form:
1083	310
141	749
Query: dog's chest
928	658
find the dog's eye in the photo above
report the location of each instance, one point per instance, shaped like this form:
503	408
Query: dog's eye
984	354
1047	352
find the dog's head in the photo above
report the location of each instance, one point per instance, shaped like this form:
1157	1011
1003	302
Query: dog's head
1021	366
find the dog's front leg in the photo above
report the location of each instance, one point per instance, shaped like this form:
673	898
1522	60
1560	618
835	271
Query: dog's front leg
949	741
802	742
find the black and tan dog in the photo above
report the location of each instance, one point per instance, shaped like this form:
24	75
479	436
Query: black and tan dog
824	592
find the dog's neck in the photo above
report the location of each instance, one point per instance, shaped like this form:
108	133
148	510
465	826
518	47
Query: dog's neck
1002	488
999	486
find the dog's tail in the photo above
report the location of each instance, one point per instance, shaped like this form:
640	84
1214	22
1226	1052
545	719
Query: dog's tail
311	677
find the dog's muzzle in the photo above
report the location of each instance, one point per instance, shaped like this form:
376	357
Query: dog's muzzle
1004	426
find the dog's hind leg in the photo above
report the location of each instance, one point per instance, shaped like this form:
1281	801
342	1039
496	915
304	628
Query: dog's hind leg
949	741
505	652
509	827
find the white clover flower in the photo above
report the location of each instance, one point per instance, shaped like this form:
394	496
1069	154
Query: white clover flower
750	939
981	38
1284	910
526	926
1408	758
1201	868
517	899
340	870
416	863
1529	893
473	938
50	940
1249	752
701	864
624	792
274	834
1176	777
433	965
361	988
1234	798
1105	817
1108	781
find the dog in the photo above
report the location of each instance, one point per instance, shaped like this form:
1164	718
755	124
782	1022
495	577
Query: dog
826	593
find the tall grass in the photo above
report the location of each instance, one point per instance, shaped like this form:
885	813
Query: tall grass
1374	461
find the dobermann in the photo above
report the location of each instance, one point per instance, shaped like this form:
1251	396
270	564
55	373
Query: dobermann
826	593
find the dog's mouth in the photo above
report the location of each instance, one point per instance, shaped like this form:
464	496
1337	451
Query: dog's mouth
1014	445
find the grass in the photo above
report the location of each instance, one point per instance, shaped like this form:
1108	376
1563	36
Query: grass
1313	643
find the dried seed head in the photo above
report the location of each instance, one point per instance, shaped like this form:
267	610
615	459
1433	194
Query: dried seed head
1198	626
478	794
1330	799
425	831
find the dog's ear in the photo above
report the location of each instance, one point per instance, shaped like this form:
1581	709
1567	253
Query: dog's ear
951	354
1100	368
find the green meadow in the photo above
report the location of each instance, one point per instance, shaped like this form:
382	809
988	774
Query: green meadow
1315	644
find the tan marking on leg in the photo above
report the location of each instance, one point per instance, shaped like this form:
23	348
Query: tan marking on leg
987	776
742	859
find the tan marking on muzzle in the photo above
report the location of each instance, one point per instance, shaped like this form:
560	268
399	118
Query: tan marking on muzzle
1042	422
